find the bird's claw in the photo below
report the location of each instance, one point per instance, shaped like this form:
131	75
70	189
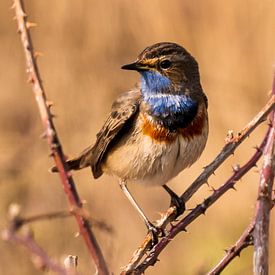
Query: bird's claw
178	203
155	233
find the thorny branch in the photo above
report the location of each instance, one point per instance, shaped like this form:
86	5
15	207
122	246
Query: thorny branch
227	150
249	237
264	201
244	241
20	221
151	258
52	138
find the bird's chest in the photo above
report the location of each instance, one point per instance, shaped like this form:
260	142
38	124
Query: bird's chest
162	154
170	112
152	155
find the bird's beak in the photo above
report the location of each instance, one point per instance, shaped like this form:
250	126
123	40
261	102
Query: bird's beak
136	66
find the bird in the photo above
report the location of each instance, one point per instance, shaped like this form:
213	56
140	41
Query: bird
155	130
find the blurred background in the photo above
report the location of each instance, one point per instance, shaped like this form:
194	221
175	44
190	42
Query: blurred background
84	43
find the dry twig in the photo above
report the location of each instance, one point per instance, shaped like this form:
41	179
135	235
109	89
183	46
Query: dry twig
52	138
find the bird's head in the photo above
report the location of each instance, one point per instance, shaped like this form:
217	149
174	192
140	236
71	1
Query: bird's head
166	66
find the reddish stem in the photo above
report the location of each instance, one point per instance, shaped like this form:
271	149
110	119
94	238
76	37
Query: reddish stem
52	138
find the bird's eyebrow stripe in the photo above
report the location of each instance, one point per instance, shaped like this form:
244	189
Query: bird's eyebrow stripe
150	62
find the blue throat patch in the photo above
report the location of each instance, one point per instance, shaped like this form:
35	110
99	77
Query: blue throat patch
172	111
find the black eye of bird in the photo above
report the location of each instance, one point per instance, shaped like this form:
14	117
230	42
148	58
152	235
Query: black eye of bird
165	64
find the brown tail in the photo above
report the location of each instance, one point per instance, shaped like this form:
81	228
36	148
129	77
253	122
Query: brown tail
82	161
73	164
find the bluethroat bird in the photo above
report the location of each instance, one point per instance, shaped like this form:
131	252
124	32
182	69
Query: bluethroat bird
157	129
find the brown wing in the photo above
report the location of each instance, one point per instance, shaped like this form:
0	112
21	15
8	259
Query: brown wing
123	110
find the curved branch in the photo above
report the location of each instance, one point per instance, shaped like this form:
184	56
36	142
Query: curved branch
52	138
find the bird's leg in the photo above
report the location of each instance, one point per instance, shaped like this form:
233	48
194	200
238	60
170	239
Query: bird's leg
154	231
175	200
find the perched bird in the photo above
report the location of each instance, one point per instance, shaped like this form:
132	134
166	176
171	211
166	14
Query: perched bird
157	129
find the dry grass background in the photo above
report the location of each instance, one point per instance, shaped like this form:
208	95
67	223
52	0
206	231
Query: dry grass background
84	44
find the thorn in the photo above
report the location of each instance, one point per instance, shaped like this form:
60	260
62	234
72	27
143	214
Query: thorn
30	80
77	234
203	207
234	188
30	25
23	14
212	188
229	250
53	115
172	225
43	135
37	54
213	173
49	103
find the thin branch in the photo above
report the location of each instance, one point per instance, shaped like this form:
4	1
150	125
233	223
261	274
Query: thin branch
246	238
264	202
227	150
47	216
40	258
52	138
244	241
61	214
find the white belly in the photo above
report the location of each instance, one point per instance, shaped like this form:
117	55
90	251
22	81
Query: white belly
143	160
